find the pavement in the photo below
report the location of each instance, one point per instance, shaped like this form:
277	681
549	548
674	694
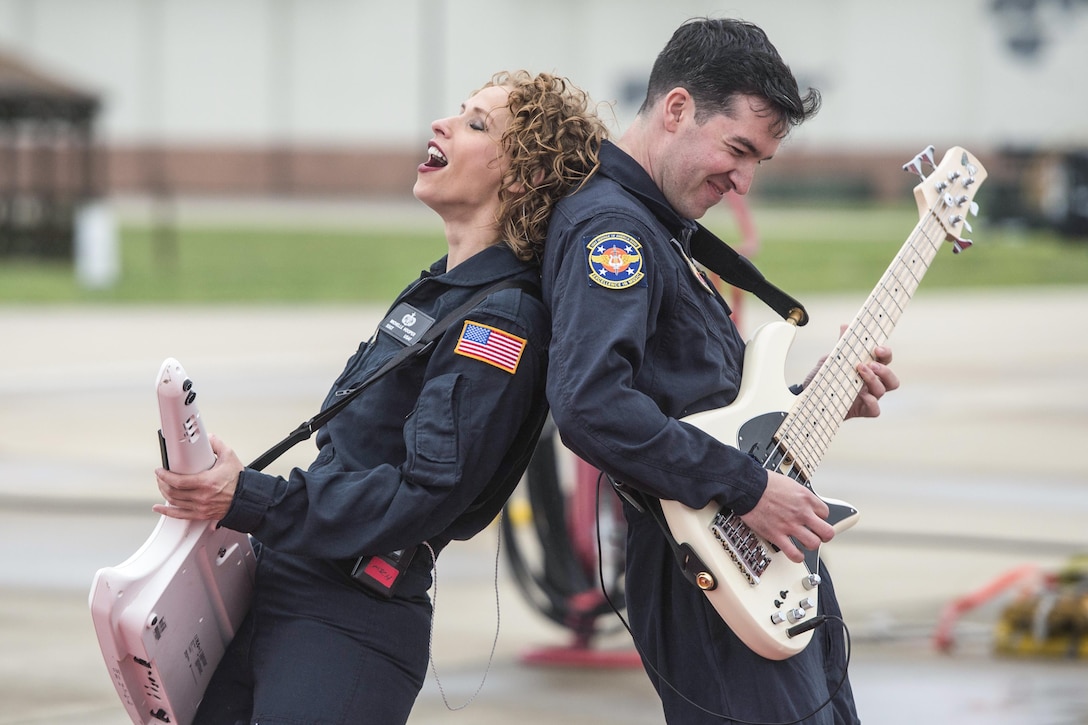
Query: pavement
971	471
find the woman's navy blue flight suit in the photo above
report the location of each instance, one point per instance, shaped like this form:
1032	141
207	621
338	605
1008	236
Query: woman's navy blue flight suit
639	340
430	452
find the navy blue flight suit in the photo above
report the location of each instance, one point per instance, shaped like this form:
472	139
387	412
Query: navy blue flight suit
428	453
639	340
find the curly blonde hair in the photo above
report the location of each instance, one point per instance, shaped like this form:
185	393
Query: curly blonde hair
551	146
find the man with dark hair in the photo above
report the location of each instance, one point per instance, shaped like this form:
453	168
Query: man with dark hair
641	339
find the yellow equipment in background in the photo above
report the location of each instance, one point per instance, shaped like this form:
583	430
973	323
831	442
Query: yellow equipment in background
1049	620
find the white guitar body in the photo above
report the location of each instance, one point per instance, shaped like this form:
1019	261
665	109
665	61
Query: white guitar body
165	615
768	601
750	575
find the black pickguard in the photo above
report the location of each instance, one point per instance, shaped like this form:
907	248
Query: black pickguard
757	438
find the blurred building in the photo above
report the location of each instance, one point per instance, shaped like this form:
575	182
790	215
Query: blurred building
47	160
335	97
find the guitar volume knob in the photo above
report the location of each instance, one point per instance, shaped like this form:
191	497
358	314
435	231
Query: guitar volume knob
811	581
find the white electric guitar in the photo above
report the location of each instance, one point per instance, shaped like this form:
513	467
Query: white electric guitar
165	615
769	601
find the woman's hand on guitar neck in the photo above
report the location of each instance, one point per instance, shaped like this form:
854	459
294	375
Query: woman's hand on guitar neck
788	511
201	496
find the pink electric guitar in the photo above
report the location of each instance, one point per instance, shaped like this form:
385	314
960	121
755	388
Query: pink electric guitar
165	615
766	599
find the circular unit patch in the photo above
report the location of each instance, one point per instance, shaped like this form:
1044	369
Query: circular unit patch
615	260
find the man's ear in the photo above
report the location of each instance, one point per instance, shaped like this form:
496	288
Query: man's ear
677	104
517	188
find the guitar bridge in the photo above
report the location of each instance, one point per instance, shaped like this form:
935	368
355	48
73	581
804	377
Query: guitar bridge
741	543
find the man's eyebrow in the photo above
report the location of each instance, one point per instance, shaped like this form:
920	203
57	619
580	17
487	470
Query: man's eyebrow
751	147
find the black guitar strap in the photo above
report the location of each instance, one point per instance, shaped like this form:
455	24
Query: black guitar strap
735	269
420	347
721	259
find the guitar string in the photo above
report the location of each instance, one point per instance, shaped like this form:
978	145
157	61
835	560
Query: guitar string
838	402
806	445
802	447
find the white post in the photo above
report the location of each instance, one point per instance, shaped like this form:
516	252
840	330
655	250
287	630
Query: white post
97	256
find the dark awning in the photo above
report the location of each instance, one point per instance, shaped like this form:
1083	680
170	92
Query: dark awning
28	93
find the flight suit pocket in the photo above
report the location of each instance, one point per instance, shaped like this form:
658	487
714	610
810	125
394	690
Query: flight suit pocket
435	420
702	337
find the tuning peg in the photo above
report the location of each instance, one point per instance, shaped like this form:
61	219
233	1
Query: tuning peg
959	245
965	162
974	208
959	219
927	154
915	165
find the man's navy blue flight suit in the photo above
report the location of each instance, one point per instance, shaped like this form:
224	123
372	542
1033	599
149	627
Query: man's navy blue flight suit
639	340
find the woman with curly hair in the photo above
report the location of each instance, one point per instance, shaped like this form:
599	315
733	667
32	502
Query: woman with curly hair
339	628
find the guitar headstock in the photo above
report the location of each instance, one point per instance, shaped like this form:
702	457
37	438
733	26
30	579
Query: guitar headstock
948	192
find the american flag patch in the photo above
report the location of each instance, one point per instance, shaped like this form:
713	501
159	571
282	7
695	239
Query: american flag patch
490	344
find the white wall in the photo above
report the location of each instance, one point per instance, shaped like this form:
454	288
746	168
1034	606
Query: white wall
368	71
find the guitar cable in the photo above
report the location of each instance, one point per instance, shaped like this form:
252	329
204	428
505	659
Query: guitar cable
434	616
792	632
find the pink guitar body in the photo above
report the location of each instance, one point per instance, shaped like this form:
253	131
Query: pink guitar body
165	615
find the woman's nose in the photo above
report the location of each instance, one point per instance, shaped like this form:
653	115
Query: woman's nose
440	126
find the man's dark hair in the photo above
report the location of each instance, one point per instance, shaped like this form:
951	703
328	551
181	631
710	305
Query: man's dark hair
716	60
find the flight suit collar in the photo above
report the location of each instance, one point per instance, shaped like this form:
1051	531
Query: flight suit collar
489	265
628	173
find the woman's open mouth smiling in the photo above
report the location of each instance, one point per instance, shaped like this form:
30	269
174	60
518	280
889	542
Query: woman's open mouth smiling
435	158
